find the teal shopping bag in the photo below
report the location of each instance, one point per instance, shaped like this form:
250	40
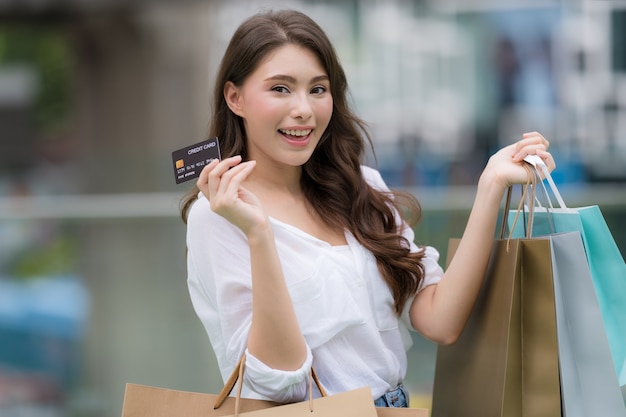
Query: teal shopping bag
607	266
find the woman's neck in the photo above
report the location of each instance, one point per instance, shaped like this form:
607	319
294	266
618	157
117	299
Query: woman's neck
272	180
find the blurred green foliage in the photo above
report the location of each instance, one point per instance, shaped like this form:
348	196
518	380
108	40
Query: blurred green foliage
52	258
46	49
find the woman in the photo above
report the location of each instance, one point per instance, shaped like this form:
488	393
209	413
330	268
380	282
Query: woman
298	255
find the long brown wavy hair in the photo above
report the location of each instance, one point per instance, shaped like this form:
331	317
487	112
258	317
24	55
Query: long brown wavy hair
331	179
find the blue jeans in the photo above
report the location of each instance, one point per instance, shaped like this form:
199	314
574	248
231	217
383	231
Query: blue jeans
396	397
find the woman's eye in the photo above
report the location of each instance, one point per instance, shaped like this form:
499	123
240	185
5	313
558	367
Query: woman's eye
280	89
318	90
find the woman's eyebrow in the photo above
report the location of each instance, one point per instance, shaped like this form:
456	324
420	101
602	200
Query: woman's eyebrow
289	78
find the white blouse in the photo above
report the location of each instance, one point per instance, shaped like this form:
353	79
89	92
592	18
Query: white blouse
343	305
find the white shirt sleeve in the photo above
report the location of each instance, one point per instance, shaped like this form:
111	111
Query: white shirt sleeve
280	386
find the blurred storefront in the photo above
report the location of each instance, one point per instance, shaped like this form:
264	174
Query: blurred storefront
95	94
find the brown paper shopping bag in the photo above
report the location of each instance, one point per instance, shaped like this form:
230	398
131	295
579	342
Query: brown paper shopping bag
143	401
147	401
505	363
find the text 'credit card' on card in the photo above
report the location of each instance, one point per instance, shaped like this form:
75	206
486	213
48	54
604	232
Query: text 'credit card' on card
189	161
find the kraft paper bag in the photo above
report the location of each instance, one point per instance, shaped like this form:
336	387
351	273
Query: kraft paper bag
505	363
147	401
589	384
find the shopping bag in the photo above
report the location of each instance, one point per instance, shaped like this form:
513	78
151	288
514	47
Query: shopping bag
142	401
505	363
589	384
147	401
608	270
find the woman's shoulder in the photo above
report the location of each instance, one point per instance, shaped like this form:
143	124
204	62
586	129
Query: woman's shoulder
201	215
199	209
205	227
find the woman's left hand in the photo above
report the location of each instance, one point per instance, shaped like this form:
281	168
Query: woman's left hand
506	165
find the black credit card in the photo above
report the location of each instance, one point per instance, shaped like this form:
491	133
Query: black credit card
189	161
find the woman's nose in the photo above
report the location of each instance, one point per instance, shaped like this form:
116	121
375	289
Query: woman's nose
302	107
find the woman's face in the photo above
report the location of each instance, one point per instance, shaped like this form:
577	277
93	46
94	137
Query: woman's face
286	106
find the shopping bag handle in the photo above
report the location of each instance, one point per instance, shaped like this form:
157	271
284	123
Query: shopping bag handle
237	375
538	164
530	185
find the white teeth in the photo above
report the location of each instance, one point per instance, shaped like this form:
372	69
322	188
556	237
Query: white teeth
296	132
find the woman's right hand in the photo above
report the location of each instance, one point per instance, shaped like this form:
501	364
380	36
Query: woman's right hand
221	183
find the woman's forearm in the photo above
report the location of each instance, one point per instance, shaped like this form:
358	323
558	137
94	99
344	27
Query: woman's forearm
442	311
275	337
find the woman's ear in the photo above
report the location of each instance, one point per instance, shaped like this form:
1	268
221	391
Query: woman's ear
233	98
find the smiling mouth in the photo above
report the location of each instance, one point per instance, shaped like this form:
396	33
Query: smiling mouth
296	133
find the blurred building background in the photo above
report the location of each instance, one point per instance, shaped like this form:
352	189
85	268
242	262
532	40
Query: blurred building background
95	94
